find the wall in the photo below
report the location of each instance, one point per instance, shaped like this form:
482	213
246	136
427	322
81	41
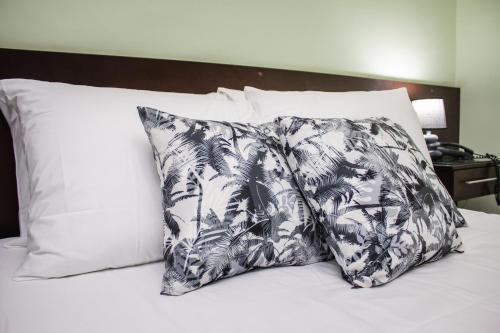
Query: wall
408	39
478	74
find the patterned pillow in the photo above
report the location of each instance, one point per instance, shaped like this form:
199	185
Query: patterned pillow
230	201
383	206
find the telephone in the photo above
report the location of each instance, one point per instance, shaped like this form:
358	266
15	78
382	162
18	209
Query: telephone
454	152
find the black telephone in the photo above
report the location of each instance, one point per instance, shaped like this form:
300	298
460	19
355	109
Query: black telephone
454	152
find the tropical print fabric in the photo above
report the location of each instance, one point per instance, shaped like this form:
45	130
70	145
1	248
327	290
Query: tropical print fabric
367	183
230	201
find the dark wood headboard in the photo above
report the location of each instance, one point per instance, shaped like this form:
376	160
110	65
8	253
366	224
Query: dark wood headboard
177	76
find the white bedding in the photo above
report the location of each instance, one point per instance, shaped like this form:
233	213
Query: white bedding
460	293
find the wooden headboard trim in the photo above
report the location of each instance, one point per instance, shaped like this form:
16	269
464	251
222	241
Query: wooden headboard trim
177	76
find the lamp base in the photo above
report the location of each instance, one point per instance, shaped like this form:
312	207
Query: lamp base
432	145
429	137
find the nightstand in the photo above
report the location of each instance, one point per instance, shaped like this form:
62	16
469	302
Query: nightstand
467	179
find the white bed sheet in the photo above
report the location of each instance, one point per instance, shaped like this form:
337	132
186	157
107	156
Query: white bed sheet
460	293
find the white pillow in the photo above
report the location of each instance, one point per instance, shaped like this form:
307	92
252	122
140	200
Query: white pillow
22	177
236	96
393	104
94	199
233	95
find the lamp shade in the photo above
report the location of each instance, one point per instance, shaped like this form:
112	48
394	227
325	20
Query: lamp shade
430	113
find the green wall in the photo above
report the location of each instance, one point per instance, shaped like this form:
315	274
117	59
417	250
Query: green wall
478	75
407	39
421	40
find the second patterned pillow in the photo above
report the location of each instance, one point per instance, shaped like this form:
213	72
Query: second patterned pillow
368	184
230	202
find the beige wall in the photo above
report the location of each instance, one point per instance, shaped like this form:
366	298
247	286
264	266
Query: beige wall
478	74
407	39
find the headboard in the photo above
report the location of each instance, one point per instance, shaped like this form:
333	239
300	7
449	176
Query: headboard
177	76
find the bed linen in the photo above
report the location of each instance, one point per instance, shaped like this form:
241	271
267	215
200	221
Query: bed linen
460	293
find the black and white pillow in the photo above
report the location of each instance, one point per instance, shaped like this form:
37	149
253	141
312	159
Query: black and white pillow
230	201
383	206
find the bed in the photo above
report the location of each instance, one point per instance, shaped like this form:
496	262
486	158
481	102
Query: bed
459	294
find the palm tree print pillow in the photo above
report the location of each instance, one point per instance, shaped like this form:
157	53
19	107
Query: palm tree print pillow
367	183
230	201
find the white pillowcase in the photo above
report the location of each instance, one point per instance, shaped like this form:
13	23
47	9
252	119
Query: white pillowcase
393	104
238	97
89	181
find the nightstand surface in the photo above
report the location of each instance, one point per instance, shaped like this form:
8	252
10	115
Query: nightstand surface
467	179
457	165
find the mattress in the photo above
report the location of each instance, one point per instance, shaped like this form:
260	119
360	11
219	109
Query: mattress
460	293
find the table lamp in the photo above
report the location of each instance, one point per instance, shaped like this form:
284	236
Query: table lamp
431	115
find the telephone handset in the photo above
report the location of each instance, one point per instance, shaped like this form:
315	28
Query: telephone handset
455	152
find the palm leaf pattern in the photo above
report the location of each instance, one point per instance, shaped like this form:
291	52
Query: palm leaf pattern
367	183
230	201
